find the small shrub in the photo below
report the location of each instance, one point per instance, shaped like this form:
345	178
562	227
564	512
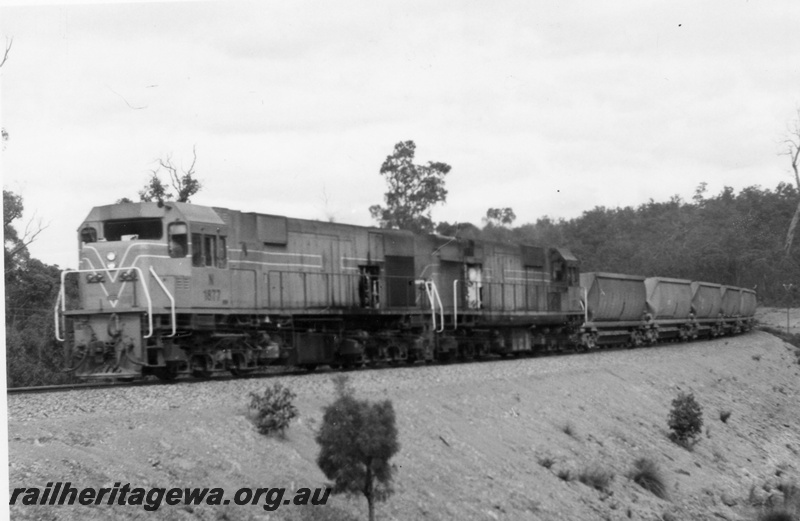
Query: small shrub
724	415
569	429
756	357
272	411
685	419
596	477
546	462
564	475
647	475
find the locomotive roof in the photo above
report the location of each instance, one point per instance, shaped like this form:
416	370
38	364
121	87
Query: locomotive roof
206	214
187	211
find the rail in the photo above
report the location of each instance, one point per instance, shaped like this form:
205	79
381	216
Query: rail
433	297
171	301
455	304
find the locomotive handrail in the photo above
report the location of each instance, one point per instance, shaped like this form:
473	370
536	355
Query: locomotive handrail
441	307
455	304
55	316
63	299
171	300
585	305
433	296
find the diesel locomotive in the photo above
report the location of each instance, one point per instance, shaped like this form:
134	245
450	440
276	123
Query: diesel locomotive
167	289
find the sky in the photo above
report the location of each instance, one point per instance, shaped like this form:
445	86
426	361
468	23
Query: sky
550	108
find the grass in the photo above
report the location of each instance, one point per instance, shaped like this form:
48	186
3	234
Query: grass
787	509
777	515
596	477
792	339
647	475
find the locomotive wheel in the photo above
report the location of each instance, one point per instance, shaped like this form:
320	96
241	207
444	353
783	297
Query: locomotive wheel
200	368
238	366
166	374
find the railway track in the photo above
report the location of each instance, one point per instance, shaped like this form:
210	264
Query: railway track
142	383
293	372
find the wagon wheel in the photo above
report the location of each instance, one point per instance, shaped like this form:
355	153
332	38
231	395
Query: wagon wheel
636	339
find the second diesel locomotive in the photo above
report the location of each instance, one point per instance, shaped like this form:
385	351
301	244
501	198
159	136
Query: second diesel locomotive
176	288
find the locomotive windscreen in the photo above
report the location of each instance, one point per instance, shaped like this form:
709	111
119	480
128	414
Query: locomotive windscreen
132	229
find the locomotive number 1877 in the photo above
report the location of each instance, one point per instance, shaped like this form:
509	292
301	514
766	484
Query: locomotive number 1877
212	294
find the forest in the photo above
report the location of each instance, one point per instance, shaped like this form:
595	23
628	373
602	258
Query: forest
727	238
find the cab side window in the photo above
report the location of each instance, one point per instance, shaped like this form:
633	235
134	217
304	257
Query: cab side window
209	249
178	240
222	255
197	250
88	234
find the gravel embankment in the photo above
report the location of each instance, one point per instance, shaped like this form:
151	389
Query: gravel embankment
373	381
472	437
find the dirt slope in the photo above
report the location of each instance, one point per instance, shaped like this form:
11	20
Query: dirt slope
474	437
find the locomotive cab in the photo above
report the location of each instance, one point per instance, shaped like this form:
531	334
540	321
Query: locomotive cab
135	269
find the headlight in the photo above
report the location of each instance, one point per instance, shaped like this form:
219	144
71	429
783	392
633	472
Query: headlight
111	255
128	275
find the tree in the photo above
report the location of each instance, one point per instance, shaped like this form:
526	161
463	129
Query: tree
16	245
32	355
357	439
793	151
413	190
184	183
456	229
500	217
685	419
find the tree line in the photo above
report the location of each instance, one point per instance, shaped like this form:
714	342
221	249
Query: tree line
729	238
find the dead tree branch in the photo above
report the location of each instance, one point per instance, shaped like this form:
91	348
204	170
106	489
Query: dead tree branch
9	42
793	151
